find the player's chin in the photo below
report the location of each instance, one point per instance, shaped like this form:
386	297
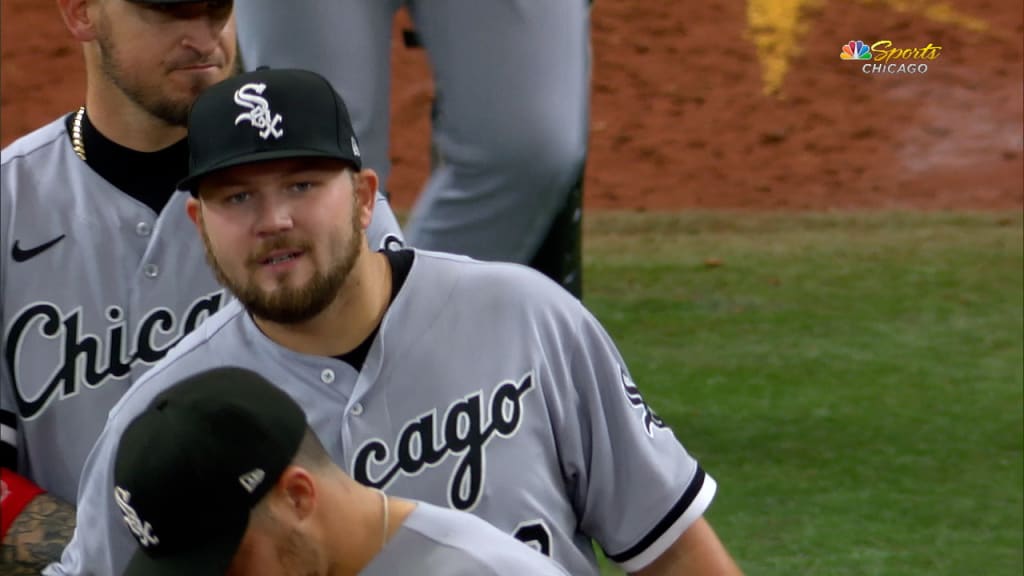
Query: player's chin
297	278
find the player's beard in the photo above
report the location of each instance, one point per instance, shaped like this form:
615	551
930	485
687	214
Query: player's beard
172	111
295	554
287	305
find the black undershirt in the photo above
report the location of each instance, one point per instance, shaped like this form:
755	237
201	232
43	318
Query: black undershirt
149	177
401	263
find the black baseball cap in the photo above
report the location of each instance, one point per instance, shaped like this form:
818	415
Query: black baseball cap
191	467
267	114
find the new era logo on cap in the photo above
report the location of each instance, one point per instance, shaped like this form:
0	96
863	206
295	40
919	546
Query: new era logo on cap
251	480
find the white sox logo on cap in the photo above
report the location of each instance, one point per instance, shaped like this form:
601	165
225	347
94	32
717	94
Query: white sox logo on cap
143	530
259	115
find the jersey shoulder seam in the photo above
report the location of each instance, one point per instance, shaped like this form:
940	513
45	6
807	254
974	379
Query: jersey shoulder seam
465	550
22	150
180	354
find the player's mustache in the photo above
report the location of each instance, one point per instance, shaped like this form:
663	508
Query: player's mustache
192	60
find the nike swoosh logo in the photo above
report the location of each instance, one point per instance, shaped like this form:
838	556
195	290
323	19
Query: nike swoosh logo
20	255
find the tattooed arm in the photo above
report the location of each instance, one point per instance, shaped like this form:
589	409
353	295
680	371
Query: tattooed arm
37	537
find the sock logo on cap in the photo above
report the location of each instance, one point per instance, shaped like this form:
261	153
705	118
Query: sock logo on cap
260	116
143	530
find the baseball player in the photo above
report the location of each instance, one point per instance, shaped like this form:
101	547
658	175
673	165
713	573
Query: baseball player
510	120
262	496
100	270
477	386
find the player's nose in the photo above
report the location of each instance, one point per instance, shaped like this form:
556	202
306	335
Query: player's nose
202	34
273	217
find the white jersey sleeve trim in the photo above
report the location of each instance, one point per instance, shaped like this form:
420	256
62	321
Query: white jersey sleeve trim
695	510
8	435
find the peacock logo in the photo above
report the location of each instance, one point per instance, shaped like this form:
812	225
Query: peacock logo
855	50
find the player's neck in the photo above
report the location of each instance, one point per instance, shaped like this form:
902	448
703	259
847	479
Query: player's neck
364	508
346	322
123	121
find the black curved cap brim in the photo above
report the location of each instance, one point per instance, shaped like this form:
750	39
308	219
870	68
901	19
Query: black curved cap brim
191	183
211	558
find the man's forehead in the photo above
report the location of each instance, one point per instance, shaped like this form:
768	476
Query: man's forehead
274	169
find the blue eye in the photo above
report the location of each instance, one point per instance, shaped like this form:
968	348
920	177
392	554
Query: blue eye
301	187
237	198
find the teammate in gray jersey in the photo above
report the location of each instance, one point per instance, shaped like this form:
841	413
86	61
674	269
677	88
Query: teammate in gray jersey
100	269
482	387
262	496
510	116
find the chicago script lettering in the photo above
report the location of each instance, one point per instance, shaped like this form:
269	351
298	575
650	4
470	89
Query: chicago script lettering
463	431
88	359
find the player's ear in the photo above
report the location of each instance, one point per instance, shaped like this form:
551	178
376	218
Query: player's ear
192	208
79	19
367	183
297	492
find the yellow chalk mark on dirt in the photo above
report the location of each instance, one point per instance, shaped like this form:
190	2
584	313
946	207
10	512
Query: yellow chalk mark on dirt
777	27
939	12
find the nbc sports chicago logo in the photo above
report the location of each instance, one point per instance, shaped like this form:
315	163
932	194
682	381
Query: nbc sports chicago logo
884	58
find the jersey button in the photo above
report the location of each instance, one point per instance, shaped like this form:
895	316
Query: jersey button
327	376
151	271
357	409
143	229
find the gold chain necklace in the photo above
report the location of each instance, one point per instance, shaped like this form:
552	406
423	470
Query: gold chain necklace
387	515
77	142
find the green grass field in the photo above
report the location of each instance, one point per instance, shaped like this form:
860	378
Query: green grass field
855	383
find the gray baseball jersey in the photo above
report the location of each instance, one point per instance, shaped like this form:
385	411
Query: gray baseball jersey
95	287
436	541
512	84
488	388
